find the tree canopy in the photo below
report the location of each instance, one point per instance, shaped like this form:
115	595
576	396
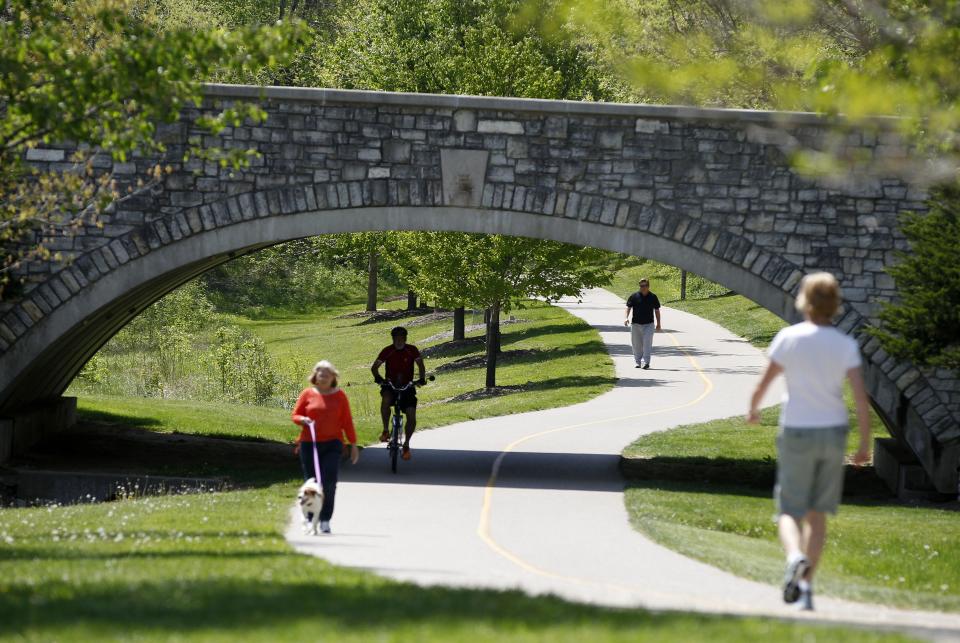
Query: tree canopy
456	47
97	73
858	60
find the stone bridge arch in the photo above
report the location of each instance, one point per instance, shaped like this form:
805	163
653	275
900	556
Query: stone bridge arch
705	190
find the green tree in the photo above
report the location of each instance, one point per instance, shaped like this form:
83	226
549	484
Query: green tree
364	249
96	73
456	47
247	373
496	272
924	325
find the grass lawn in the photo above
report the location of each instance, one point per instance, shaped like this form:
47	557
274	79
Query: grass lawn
215	567
708	496
734	312
556	357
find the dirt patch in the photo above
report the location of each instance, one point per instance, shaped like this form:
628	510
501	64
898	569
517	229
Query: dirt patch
360	314
474	361
437	316
487	393
424	315
447	334
374	316
453	346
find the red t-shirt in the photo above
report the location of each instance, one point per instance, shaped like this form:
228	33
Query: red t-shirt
330	414
399	363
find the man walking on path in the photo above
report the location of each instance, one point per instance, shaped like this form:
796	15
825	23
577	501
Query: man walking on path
815	358
645	306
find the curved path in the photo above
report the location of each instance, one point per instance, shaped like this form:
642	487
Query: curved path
534	501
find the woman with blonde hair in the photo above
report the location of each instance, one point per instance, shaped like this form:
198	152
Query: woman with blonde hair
326	407
815	358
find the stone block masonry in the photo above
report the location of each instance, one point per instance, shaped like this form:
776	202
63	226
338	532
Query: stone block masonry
708	190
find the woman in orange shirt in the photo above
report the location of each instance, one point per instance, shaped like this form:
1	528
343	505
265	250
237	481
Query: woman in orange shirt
328	408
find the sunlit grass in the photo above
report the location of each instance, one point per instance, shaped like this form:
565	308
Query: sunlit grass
877	550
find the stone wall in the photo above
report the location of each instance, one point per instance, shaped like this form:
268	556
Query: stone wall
710	190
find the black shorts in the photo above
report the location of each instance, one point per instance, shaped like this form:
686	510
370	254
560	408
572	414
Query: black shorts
408	398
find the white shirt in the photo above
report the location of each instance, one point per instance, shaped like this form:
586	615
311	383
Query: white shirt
815	361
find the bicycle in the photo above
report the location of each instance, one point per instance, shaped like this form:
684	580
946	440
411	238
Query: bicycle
396	423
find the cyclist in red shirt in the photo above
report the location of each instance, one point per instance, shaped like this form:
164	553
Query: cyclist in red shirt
399	358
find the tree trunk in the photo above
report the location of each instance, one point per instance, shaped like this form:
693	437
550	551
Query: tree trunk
493	345
683	284
411	300
372	269
459	323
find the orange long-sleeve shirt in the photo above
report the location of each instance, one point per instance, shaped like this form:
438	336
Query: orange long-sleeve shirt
330	414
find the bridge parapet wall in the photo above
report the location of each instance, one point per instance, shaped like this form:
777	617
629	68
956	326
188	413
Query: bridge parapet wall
713	183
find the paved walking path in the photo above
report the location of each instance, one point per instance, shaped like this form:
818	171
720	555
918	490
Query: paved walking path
534	501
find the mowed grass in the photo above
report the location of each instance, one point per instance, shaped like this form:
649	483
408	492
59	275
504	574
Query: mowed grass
877	550
556	357
734	312
215	567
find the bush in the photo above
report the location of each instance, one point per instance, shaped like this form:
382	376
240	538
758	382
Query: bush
295	276
247	374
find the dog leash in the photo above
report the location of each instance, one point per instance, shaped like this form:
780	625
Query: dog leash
316	456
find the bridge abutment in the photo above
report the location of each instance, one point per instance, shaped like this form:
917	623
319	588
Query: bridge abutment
27	426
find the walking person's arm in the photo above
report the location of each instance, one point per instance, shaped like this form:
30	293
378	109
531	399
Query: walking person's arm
299	410
773	369
656	311
626	317
863	417
346	420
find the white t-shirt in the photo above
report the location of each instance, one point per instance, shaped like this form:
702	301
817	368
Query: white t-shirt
815	361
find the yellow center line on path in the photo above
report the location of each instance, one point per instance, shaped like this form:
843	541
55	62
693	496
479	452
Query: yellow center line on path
483	528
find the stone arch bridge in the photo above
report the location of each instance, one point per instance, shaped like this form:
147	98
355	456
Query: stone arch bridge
708	190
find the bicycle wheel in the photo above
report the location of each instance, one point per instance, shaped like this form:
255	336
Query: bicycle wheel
395	443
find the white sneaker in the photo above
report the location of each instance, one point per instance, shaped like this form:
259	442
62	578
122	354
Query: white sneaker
796	568
325	526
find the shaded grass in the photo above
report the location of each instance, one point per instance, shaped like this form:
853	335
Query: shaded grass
224	419
878	550
215	567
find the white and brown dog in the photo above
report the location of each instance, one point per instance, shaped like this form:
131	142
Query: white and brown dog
310	498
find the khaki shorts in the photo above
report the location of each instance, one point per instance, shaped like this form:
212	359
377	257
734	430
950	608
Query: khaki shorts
810	470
